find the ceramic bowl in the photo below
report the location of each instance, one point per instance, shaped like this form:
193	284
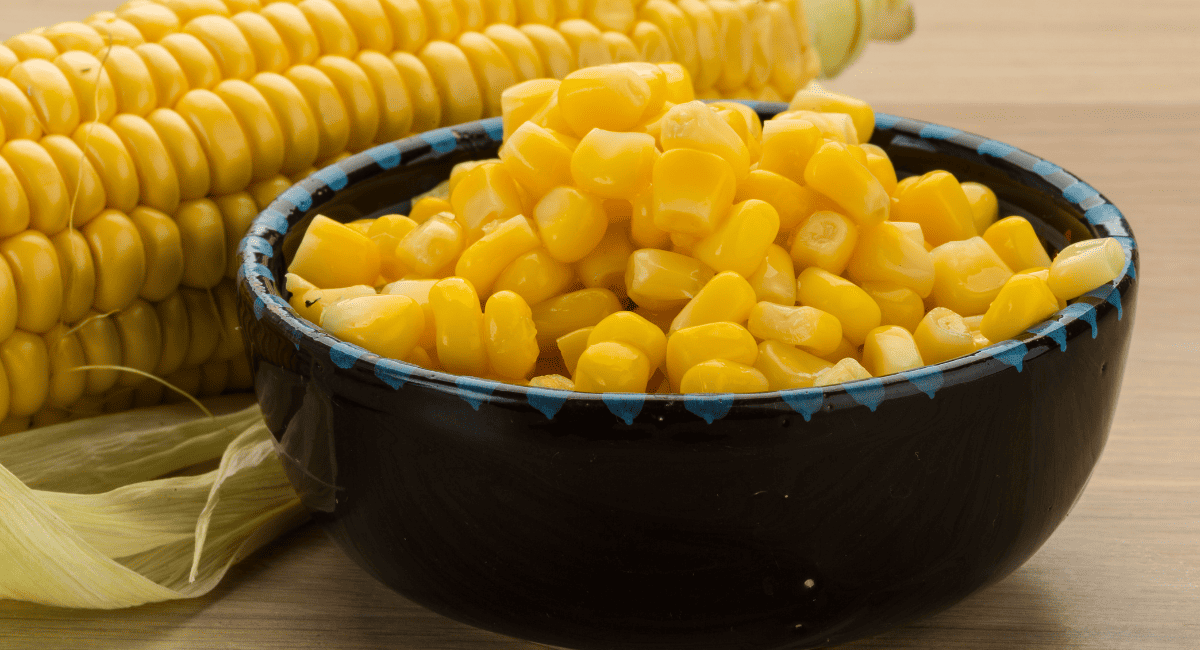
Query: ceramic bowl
795	519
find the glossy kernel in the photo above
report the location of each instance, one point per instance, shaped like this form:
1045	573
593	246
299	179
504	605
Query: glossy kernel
610	97
967	275
571	223
726	297
632	329
937	202
484	194
790	199
816	98
461	334
775	279
572	344
985	208
613	165
692	191
1084	266
37	277
740	242
571	311
834	172
825	239
786	367
658	279
511	343
693	125
943	335
886	253
537	159
843	371
890	349
1015	241
482	262
612	367
1023	301
432	246
808	327
898	305
335	255
535	276
722	376
845	300
788	146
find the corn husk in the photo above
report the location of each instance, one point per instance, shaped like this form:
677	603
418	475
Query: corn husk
87	521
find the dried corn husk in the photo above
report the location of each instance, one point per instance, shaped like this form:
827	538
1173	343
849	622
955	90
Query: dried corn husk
85	522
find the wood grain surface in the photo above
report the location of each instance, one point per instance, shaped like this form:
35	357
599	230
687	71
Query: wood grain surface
1108	91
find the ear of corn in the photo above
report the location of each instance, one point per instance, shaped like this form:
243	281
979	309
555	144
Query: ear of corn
137	145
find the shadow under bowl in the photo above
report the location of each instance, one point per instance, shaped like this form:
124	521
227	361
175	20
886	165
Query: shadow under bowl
795	519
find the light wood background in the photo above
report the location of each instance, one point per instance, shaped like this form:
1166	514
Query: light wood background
1108	89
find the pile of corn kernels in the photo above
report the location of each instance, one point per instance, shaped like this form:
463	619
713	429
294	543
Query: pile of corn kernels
631	239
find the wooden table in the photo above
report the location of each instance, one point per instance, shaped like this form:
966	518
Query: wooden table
1111	93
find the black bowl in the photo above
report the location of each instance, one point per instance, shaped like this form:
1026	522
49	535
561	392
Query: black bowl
797	519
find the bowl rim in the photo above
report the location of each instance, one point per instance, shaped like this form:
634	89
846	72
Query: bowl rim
257	285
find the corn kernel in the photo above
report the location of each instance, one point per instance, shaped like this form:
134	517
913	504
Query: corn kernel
814	330
432	246
691	192
722	376
632	329
791	200
744	122
834	172
511	342
1023	301
881	167
388	325
418	290
846	301
642	230
612	367
486	193
611	97
613	165
786	368
605	265
844	350
942	335
557	382
837	127
788	146
890	349
535	276
973	323
571	223
572	344
985	208
426	207
937	202
967	275
1084	266
679	83
726	297
1016	243
537	158
522	101
312	304
571	311
659	280
482	262
775	279
844	371
37	278
886	254
335	255
740	242
693	345
826	240
693	125
387	231
898	305
26	364
815	98
461	335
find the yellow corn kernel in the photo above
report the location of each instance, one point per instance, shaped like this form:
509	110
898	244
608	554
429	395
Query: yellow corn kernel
50	93
632	329
845	349
679	81
612	367
221	137
881	167
263	131
312	304
788	146
395	105
791	200
571	223
572	344
119	258
418	290
484	194
451	72
740	242
8	301
387	231
267	47
552	48
141	340
985	208
101	347
721	376
691	192
844	371
432	247
744	122
91	84
461	334
837	127
491	68
46	191
519	49
612	165
557	382
27	366
332	255
735	40
202	238
187	157
353	86
605	265
571	311
942	335
834	172
535	276
620	48
611	97
786	367
1085	265
886	253
642	230
815	98
297	285
826	239
19	119
482	262
74	36
690	346
164	252
426	207
726	297
775	279
537	159
937	202
587	42
814	330
14	205
890	349
225	295
157	179
520	102
973	323
967	275
305	134
1023	301
1014	240
846	301
693	125
78	279
898	305
656	77
65	354
37	278
659	280
387	325
362	226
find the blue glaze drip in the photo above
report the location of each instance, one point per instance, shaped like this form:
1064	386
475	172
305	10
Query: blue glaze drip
806	402
343	355
442	140
868	392
387	156
928	380
1114	299
1056	330
626	406
1011	353
1083	311
333	176
393	373
260	307
474	391
549	402
710	407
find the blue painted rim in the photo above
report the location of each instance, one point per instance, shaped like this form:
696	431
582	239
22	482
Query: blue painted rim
266	234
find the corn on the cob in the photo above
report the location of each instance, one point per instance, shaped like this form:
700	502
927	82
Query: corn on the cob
138	144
